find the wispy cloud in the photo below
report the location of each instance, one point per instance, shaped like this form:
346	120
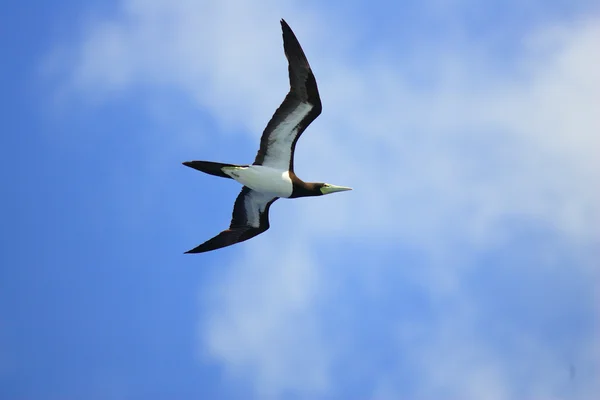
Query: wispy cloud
269	321
452	158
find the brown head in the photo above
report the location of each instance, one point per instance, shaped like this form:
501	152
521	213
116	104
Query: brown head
306	189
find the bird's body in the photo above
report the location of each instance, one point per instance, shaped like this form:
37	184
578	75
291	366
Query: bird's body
272	176
263	179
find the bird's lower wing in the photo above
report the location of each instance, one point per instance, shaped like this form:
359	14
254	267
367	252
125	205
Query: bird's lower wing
250	218
227	238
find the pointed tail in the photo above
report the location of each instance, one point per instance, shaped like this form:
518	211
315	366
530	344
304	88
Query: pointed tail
208	167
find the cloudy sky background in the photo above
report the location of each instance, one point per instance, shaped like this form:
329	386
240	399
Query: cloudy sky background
464	265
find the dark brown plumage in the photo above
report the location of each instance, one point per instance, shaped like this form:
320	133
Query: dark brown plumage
303	90
241	228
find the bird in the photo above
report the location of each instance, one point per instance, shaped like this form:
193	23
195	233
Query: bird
272	176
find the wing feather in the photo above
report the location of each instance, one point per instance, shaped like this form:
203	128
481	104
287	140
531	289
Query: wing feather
250	217
299	108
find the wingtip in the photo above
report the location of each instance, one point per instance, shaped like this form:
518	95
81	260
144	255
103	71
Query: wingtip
193	251
198	249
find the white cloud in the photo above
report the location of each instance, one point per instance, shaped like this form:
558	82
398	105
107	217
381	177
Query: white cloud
441	165
521	146
262	318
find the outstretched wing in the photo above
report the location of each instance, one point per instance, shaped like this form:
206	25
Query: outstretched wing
300	107
250	218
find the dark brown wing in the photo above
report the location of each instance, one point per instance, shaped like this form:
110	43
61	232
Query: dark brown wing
250	218
300	107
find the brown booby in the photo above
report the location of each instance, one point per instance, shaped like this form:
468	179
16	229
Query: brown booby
272	176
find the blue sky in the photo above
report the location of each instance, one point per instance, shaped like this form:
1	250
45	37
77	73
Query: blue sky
464	265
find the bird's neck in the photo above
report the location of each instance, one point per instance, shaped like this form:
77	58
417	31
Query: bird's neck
303	189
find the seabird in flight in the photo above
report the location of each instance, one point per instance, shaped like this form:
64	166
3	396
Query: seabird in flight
272	176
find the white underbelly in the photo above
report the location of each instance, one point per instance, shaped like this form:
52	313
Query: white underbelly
262	179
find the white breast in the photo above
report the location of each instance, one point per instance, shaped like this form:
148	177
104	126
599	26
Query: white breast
262	179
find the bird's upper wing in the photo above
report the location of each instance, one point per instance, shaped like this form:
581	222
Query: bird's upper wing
250	218
300	107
